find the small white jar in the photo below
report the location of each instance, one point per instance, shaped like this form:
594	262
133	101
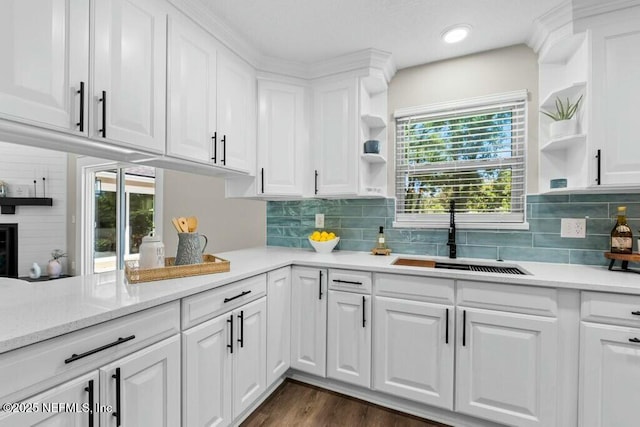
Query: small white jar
151	252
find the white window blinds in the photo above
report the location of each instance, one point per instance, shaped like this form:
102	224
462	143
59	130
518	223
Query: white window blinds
472	151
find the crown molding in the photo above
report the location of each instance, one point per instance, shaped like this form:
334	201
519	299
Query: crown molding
368	58
556	20
598	7
197	11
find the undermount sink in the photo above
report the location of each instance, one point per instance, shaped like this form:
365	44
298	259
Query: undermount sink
487	268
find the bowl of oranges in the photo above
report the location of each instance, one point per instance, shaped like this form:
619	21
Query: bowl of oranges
323	242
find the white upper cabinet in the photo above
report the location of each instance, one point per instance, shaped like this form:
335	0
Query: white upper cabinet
615	94
236	124
129	90
44	71
282	138
334	137
192	91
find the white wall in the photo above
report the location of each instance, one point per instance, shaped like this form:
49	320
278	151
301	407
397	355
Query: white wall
41	229
486	73
228	223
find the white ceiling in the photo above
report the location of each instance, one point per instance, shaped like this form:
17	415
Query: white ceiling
309	31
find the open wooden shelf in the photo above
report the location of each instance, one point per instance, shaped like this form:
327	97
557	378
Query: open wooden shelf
564	143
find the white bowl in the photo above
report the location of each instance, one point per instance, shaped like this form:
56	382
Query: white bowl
324	247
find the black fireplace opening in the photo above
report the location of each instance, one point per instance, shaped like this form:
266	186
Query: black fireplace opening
8	250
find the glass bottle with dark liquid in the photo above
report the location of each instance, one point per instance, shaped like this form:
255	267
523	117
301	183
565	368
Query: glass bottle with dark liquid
621	237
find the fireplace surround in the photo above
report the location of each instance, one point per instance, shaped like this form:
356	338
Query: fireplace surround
8	250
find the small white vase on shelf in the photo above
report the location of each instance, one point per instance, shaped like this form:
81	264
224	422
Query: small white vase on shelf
563	128
54	268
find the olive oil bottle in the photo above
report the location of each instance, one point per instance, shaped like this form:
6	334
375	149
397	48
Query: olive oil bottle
621	237
381	243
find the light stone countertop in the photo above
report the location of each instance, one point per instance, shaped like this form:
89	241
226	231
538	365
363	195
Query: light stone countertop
32	312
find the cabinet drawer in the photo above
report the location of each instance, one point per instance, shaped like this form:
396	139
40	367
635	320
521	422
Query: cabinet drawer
513	298
207	305
431	289
350	280
38	366
611	308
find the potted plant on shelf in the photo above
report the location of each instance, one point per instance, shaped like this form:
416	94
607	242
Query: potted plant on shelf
564	123
54	268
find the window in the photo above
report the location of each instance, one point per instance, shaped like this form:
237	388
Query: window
471	151
121	205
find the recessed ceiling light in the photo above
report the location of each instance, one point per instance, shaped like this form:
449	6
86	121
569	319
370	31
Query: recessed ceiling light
456	33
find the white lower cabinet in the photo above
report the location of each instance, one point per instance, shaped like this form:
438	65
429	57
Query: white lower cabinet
610	376
506	367
143	388
65	405
349	338
224	365
309	320
609	360
413	350
278	323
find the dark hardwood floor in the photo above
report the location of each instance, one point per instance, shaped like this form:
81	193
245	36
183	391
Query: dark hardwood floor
299	404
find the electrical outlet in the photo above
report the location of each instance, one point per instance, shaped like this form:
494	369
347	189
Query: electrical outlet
319	220
574	228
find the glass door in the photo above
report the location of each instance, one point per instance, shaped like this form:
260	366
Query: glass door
123	211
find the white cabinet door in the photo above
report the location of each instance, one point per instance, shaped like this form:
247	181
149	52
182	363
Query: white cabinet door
335	137
349	338
278	323
192	91
44	46
413	350
506	367
206	387
281	138
147	386
65	405
610	374
615	59
236	134
250	359
309	320
130	70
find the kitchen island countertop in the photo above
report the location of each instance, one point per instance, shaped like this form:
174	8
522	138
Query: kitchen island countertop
33	312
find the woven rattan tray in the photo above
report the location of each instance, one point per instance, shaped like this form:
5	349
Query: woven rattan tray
210	264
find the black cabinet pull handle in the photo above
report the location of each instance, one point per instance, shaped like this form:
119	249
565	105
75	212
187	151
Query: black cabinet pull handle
75	357
316	181
364	320
599	157
224	150
215	146
104	113
241	339
636	340
347	281
262	180
636	313
237	296
320	286
446	326
80	123
464	328
89	389
117	412
230	345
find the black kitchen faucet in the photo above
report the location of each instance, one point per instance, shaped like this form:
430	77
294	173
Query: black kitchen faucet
451	242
